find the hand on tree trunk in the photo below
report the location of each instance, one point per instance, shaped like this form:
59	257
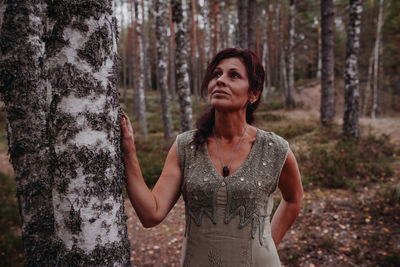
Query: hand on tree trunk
128	137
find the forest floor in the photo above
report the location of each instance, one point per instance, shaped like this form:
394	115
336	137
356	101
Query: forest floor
336	227
354	226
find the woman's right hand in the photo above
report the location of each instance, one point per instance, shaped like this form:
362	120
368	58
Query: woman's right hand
128	137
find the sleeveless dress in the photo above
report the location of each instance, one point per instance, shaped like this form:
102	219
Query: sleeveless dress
228	219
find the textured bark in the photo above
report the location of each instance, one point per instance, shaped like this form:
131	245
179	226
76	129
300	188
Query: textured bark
161	14
206	14
376	60
140	78
351	125
223	24
290	103
182	69
242	27
328	62
251	24
282	58
63	131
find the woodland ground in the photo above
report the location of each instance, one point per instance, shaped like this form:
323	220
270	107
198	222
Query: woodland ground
351	209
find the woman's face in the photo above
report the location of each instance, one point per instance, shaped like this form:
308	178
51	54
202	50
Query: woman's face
229	85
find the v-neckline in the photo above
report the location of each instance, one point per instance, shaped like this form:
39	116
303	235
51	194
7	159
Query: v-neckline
214	169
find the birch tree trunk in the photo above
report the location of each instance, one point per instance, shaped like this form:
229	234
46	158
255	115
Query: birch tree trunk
290	103
161	14
319	63
182	69
328	61
63	131
351	125
242	28
133	64
223	24
171	56
140	73
376	60
251	24
195	69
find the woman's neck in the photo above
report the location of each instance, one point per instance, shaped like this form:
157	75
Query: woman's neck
229	125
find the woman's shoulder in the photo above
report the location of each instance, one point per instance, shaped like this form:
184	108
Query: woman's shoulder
271	138
185	137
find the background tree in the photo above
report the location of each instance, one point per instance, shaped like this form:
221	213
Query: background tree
63	129
351	125
182	70
161	10
290	103
328	62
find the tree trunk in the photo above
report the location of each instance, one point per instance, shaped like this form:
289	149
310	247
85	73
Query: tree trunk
319	63
282	61
223	24
161	13
215	28
140	73
171	56
251	24
194	68
290	103
182	70
328	61
266	93
63	131
133	64
367	92
242	27
376	60
123	55
351	125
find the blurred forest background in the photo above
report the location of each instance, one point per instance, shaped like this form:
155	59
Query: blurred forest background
351	211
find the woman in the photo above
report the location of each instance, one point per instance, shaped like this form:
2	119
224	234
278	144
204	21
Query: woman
226	171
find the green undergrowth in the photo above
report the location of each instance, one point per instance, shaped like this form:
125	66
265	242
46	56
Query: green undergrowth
337	162
11	250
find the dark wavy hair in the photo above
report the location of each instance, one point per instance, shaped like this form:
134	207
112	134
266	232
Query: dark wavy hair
255	74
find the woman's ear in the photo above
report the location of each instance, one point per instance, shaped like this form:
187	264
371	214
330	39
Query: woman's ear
253	96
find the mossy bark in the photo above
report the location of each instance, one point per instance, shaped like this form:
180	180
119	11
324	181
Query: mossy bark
58	82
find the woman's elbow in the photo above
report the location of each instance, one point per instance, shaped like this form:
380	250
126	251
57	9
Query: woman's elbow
151	222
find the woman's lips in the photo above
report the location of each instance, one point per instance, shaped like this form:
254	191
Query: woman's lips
219	92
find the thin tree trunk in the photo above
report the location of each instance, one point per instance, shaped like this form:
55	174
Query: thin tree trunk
251	24
328	61
215	28
146	65
319	63
206	14
63	131
140	73
242	27
282	58
290	103
351	125
133	62
161	13
123	52
223	24
171	57
367	92
266	55
376	60
195	67
182	70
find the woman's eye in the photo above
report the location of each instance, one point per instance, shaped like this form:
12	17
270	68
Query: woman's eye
235	75
217	74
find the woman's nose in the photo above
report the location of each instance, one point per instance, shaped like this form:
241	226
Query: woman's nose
220	80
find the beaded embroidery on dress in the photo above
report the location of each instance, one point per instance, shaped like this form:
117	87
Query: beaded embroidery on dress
248	189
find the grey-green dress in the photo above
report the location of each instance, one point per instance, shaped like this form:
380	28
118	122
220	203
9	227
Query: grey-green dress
228	219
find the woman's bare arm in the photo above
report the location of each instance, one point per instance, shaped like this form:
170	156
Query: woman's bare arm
292	196
151	206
